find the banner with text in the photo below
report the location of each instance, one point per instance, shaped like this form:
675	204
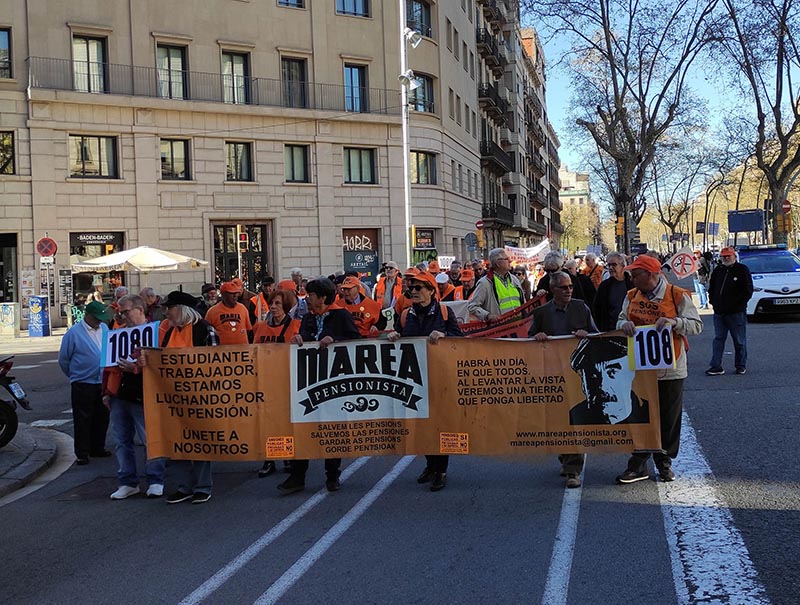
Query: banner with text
373	397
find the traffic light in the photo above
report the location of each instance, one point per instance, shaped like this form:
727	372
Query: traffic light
479	234
620	227
244	242
787	221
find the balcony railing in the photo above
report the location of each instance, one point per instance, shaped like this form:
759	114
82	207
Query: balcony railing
494	158
492	12
536	226
137	81
420	26
498	213
538	164
557	227
492	102
487	46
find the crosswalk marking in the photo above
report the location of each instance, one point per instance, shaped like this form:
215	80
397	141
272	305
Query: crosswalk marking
50	422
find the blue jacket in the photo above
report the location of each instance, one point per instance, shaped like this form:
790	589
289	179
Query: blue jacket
79	357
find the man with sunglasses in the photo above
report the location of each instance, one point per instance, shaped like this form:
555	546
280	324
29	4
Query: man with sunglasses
611	293
562	316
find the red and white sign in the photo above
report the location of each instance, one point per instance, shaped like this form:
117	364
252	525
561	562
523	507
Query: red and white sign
479	224
683	263
786	206
46	246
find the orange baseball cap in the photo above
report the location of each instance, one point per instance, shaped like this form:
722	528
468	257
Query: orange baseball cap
231	286
350	282
727	251
411	272
433	266
467	274
427	279
287	284
648	263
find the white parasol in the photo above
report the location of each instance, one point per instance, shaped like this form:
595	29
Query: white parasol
143	259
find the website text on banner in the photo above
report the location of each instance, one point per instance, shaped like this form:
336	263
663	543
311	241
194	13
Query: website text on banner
372	397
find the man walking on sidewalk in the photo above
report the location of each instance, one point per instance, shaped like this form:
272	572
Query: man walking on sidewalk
729	289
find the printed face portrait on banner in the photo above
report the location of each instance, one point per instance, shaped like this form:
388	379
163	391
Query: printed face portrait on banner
606	380
355	381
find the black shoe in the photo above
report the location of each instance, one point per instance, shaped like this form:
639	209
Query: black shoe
741	371
287	466
573	480
332	484
100	454
200	497
267	470
666	473
715	372
292	485
83	460
630	476
178	496
439	481
426	476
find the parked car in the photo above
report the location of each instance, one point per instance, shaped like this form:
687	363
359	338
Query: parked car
776	279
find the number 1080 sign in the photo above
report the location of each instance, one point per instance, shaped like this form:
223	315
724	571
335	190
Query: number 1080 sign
651	349
121	343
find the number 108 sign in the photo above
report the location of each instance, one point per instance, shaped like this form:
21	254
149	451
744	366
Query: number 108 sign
651	349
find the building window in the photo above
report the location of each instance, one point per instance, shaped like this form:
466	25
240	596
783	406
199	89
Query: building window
455	43
453	175
460	178
235	78
295	163
464	53
423	168
355	88
92	157
359	166
292	3
449	35
293	76
451	102
89	64
174	160
418	17
421	98
458	109
172	75
358	8
471	65
239	161
5	53
466	118
7	153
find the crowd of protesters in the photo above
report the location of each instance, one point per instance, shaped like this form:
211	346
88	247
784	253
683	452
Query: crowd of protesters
584	295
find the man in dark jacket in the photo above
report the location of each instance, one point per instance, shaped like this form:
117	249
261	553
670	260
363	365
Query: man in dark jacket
324	324
611	293
729	289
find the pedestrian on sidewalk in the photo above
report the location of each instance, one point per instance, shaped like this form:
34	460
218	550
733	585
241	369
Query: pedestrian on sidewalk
79	359
701	277
730	287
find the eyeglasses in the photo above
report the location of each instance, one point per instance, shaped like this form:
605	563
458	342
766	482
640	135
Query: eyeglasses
416	288
569	287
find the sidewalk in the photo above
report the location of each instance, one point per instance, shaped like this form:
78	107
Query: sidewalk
25	344
29	454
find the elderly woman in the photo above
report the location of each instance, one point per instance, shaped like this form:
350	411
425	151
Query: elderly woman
426	317
188	329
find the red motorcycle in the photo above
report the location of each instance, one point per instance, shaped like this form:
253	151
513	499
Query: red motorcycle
8	409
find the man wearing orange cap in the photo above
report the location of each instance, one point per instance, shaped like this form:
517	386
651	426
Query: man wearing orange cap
301	308
729	290
467	284
229	317
653	300
366	312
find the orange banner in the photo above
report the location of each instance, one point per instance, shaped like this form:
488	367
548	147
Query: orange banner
373	397
513	324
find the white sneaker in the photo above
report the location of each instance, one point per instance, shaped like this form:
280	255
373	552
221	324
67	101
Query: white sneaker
156	490
124	492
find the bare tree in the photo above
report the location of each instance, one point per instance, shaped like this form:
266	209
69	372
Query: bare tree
630	61
761	44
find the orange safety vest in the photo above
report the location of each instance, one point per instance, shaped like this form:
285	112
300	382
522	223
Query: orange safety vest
443	309
380	289
283	332
260	306
644	312
181	337
365	313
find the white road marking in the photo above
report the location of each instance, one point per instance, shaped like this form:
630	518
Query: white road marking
710	562
69	411
205	590
313	554
50	361
50	423
64	459
556	586
16	367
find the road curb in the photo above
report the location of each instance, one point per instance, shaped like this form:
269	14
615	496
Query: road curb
30	453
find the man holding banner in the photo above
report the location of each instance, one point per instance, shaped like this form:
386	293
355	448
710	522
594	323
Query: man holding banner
654	301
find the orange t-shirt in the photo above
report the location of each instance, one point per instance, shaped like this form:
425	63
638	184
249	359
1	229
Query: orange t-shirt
263	332
231	325
180	337
366	313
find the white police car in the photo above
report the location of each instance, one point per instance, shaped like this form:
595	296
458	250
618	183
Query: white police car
776	279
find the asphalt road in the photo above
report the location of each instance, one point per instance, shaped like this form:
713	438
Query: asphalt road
504	530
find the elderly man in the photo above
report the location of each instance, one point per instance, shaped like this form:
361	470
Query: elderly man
592	269
366	312
455	273
554	261
153	301
389	286
230	318
258	306
611	292
447	291
498	291
654	301
467	284
79	359
562	316
209	296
